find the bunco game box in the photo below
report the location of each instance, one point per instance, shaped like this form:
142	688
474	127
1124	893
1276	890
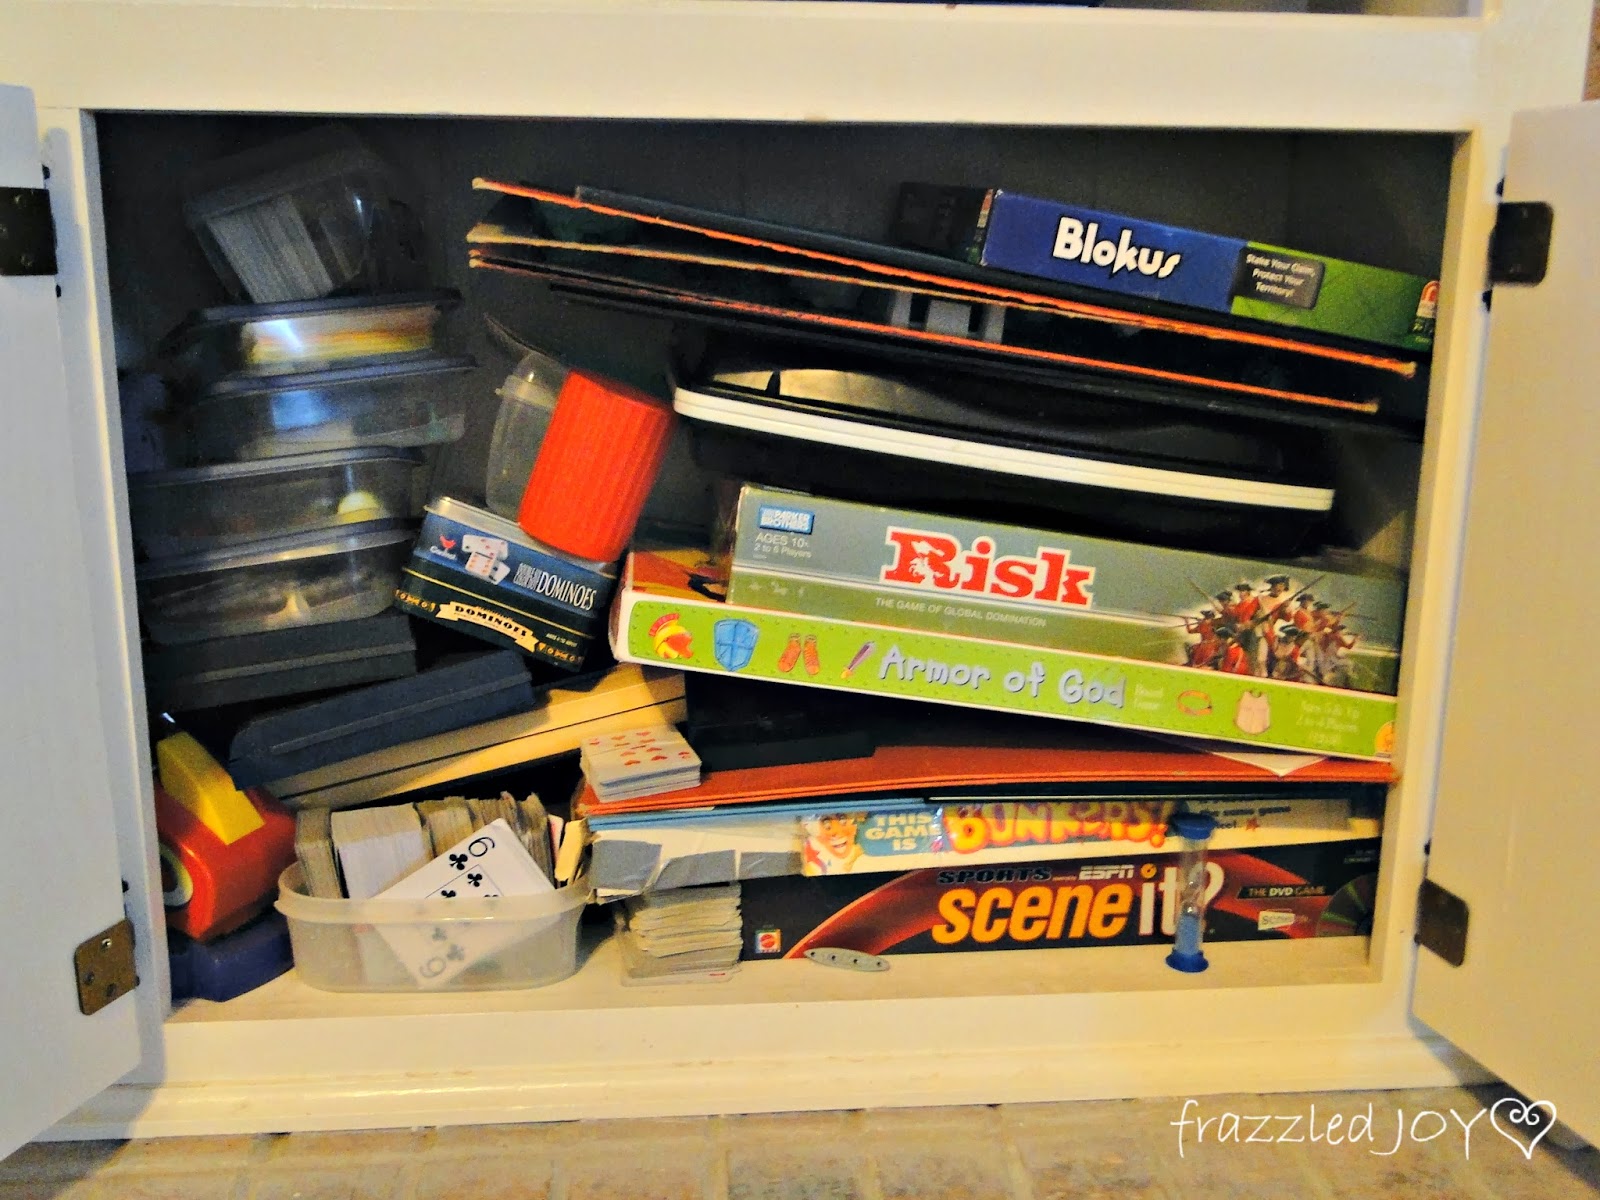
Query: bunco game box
1319	890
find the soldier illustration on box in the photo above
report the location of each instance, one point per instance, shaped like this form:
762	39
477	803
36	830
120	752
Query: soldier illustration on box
1271	632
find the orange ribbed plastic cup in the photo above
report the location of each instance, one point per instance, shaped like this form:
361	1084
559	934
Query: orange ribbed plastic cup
596	465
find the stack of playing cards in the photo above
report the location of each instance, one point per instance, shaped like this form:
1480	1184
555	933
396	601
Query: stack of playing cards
374	848
378	847
685	932
313	847
641	762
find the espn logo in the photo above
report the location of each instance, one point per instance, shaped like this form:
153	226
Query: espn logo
769	941
1096	871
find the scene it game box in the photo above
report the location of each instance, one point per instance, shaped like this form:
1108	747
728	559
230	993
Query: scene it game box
1319	890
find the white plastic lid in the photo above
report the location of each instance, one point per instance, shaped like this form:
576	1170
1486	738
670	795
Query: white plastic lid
537	380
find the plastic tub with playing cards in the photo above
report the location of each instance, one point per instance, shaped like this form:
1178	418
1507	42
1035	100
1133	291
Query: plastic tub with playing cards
433	945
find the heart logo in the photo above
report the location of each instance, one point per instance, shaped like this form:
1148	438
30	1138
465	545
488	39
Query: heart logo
1525	1121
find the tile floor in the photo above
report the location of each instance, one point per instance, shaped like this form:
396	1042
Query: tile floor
1123	1149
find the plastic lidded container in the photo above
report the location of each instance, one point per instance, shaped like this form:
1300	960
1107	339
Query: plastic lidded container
416	402
280	583
305	217
198	509
307	335
365	945
527	398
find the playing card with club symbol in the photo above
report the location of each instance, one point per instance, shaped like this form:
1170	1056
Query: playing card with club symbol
474	873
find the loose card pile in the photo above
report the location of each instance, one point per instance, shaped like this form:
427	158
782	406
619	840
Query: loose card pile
682	933
642	762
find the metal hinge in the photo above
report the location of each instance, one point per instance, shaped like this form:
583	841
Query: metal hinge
105	968
1519	248
1442	923
27	232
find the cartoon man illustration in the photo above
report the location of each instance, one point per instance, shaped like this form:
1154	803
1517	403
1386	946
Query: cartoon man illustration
831	847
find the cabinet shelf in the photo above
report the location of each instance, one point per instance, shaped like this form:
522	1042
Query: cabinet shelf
915	977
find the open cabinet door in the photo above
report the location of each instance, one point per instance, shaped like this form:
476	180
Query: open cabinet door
60	886
1516	832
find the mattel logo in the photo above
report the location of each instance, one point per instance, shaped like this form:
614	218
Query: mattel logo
769	941
786	520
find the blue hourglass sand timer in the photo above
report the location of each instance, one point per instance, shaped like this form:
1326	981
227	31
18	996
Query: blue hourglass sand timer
1195	829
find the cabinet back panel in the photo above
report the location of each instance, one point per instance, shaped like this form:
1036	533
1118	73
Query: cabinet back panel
1373	198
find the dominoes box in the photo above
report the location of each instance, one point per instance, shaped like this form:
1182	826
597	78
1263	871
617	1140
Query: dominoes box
479	573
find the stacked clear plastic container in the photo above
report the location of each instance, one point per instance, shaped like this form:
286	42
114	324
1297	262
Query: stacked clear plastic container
305	414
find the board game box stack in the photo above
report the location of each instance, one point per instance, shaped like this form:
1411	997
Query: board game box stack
950	794
665	615
1005	500
999	837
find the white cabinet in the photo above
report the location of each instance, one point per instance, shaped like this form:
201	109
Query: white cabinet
1413	98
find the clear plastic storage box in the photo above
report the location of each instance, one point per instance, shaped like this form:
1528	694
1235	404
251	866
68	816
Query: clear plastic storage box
418	402
303	579
527	398
207	508
432	945
307	335
305	217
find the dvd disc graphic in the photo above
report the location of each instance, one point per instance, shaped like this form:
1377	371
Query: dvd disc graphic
1350	909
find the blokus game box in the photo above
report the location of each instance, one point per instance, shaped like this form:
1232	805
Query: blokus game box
670	612
1327	623
1324	889
1067	242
